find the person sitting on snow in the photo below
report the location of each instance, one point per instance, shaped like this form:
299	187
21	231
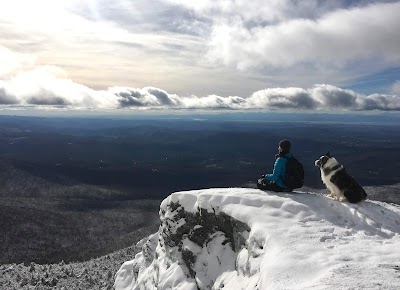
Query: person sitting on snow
274	181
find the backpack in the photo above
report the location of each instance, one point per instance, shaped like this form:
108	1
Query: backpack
294	176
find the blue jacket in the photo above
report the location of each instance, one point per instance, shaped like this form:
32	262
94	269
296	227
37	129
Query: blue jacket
279	171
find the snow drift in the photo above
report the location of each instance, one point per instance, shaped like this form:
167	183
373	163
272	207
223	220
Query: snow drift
238	238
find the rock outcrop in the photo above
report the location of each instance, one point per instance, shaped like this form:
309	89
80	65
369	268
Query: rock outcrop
249	239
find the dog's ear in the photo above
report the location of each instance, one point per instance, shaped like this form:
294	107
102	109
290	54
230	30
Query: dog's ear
328	154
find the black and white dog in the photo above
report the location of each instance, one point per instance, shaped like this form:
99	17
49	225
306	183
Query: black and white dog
341	185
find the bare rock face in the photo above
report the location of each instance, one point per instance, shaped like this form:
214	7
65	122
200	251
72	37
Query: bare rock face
202	229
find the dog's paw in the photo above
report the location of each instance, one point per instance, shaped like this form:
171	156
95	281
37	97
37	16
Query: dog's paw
331	195
342	198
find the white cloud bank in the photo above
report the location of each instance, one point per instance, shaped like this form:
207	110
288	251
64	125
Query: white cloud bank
47	87
281	34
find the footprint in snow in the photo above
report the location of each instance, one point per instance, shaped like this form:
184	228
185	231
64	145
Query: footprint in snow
323	239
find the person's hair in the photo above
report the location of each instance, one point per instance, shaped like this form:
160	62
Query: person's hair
285	145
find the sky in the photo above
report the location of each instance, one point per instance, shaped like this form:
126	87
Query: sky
140	55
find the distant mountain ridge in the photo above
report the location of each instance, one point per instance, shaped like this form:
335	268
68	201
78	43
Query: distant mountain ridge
237	238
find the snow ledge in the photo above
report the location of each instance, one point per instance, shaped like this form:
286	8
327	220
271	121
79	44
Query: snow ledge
240	238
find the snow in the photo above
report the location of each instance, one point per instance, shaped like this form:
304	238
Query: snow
295	241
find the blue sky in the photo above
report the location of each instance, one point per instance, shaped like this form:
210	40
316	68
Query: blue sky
381	81
200	55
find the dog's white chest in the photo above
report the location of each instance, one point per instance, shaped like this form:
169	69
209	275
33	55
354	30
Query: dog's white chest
326	179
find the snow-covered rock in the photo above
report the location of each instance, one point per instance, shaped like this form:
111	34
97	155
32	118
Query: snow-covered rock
240	238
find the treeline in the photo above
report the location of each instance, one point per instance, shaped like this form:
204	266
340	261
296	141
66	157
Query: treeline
93	274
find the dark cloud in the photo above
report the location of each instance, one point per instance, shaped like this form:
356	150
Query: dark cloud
380	102
47	101
304	100
283	98
321	97
147	97
374	103
143	15
301	100
340	99
6	99
130	99
161	96
333	97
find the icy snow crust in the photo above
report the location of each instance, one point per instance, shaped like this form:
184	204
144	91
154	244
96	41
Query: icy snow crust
295	241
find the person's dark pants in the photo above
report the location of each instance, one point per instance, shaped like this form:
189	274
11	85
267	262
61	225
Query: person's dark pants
271	186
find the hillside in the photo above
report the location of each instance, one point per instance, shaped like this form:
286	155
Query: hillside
92	274
47	220
237	238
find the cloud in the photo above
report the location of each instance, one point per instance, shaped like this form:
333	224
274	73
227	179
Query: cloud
130	98
380	102
155	98
275	43
146	97
213	102
141	38
333	97
396	88
255	10
321	97
339	38
268	11
5	98
47	87
12	62
282	98
47	100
